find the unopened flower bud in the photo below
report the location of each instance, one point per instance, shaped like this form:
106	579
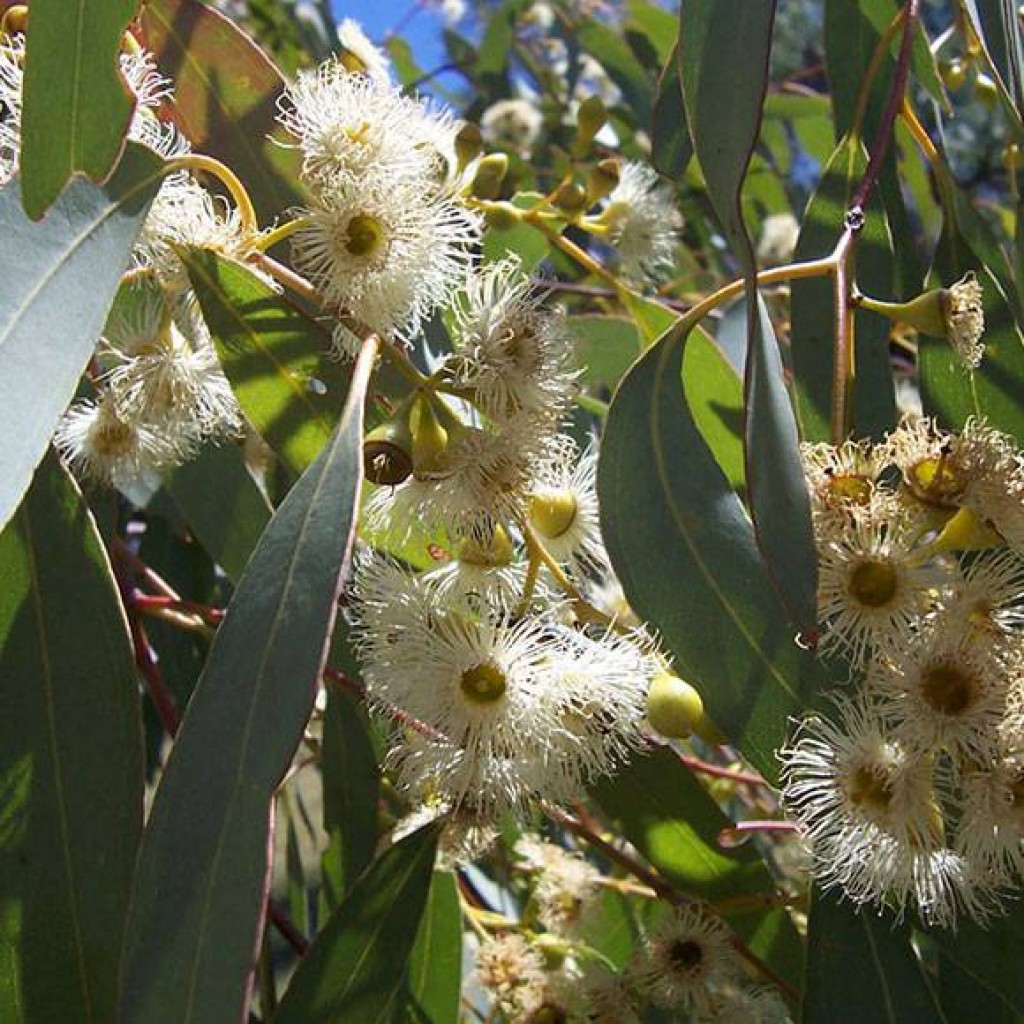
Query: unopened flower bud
590	119
602	179
490	173
429	438
468	145
502	216
674	707
953	73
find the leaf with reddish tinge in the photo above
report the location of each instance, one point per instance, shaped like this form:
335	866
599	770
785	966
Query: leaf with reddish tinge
225	97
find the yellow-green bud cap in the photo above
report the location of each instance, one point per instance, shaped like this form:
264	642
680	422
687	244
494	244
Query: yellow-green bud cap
429	438
674	707
590	119
953	73
490	173
553	949
469	144
602	179
387	450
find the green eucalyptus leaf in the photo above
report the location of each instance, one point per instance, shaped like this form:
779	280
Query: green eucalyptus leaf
355	967
862	969
200	887
70	762
222	505
435	963
671	145
72	123
351	785
779	502
685	552
723	107
54	299
277	357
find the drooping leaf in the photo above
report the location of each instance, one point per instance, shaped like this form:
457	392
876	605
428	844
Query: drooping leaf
813	337
225	97
671	145
72	122
200	888
70	762
779	501
435	964
672	821
222	505
861	969
351	785
354	969
723	108
54	299
692	569
277	358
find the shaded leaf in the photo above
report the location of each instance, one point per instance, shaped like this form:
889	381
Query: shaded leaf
72	122
351	785
70	762
355	967
222	505
983	961
723	108
225	97
779	502
58	291
435	964
200	888
861	969
605	346
693	569
276	356
671	145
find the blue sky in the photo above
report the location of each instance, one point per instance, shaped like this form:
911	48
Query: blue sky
422	32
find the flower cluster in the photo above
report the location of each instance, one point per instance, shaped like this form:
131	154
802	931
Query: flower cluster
386	237
685	964
909	793
159	389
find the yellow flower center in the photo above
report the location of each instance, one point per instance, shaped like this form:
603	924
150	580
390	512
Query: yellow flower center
873	583
869	791
111	437
365	235
483	684
935	482
850	487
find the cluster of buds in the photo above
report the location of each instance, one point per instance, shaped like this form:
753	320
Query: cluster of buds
911	791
